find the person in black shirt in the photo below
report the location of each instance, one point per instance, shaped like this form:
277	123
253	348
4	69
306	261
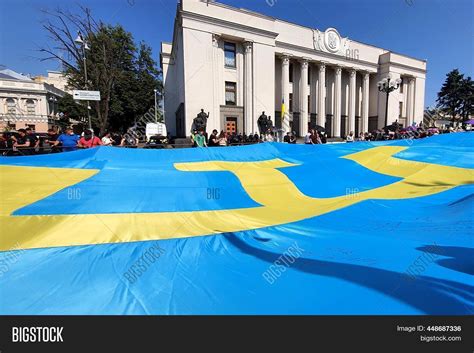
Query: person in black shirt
213	139
5	144
324	137
117	139
50	140
34	140
9	141
293	138
23	143
287	138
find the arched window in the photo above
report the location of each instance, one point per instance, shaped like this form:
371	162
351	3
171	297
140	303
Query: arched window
11	107
30	107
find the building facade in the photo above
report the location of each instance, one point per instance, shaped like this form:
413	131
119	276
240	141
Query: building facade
54	78
236	64
27	103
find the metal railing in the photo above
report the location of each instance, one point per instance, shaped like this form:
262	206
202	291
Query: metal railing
28	118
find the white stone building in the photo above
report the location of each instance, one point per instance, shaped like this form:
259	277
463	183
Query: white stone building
26	103
235	63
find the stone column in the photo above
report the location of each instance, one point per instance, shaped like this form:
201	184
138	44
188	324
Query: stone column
304	97
365	102
337	102
214	122
410	101
352	100
285	81
322	95
248	87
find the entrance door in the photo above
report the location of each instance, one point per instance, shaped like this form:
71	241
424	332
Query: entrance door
231	124
180	128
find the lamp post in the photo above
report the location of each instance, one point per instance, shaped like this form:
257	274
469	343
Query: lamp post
80	40
156	107
387	85
53	100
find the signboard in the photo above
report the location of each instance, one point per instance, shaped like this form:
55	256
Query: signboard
153	129
86	95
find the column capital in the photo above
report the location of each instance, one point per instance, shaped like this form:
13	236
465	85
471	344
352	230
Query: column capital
285	58
303	62
366	75
352	72
338	70
322	66
248	45
411	79
215	40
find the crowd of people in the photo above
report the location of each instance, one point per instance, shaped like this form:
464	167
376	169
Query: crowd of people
315	137
397	132
216	139
27	142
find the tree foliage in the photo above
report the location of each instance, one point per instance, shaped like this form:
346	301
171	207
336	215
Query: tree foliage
71	109
123	72
456	96
467	99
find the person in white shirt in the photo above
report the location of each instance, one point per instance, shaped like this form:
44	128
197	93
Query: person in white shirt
307	138
269	137
107	140
350	137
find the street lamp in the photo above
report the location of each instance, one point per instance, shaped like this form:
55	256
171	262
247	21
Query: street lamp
156	108
80	40
387	85
53	100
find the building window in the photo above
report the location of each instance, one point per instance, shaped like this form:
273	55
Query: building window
11	108
309	75
400	109
230	93
30	107
291	72
290	105
229	54
401	86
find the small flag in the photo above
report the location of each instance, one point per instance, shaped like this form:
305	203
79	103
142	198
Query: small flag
283	110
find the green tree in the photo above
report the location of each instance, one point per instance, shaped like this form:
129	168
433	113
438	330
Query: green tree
467	99
148	79
134	91
450	96
71	109
124	74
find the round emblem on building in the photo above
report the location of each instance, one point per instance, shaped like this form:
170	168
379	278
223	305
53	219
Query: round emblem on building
332	40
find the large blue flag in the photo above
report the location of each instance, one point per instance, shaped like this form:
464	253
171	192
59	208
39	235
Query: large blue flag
356	228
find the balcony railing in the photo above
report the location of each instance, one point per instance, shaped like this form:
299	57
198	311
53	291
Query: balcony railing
26	118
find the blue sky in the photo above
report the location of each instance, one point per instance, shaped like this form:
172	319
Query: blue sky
438	31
